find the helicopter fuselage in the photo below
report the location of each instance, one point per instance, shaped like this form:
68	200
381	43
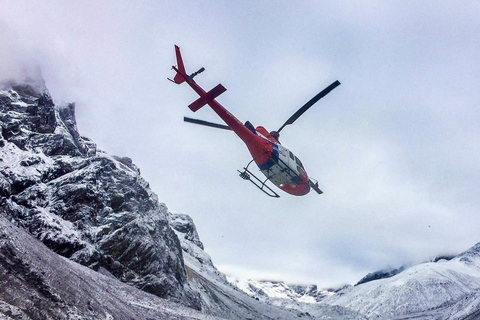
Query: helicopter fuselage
279	164
275	161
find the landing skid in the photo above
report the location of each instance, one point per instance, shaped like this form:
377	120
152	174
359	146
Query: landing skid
247	175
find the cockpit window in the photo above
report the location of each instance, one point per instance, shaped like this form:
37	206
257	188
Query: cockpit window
291	155
299	162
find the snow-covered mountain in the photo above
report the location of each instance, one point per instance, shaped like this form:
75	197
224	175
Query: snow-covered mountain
279	292
80	202
82	236
430	286
36	283
446	288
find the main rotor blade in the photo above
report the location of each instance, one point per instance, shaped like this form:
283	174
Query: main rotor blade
206	123
310	103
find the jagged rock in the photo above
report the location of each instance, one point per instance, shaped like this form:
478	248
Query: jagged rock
37	284
184	224
82	203
95	210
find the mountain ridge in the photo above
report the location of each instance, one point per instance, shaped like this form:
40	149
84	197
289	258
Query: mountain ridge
82	203
98	211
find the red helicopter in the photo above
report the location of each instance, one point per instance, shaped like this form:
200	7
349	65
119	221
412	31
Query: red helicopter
276	162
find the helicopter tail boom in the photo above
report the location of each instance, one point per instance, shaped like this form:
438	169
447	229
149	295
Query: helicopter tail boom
209	98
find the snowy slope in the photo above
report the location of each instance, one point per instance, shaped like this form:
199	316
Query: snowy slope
421	288
277	290
223	297
445	289
36	283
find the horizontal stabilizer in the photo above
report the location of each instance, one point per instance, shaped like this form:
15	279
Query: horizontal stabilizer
197	104
215	92
212	94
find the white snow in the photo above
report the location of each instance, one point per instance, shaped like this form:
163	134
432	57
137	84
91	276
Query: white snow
419	288
11	158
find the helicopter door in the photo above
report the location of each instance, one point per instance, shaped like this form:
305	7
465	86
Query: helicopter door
285	156
297	169
291	159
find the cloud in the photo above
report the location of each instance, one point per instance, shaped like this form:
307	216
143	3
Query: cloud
17	61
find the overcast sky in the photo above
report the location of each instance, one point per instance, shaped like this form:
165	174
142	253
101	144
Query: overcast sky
395	148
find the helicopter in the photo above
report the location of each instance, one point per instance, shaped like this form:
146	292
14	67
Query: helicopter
277	163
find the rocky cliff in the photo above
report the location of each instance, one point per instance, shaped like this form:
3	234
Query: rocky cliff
82	203
58	191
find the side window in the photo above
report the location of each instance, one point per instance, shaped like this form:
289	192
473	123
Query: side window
299	162
291	155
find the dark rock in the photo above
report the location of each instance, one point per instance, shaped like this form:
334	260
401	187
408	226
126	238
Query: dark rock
83	204
30	161
184	224
43	118
38	284
5	186
10	128
382	274
443	258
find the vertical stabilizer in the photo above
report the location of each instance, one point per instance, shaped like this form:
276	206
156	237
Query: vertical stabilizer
181	73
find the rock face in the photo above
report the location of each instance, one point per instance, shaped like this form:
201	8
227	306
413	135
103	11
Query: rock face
184	225
97	211
36	283
83	204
